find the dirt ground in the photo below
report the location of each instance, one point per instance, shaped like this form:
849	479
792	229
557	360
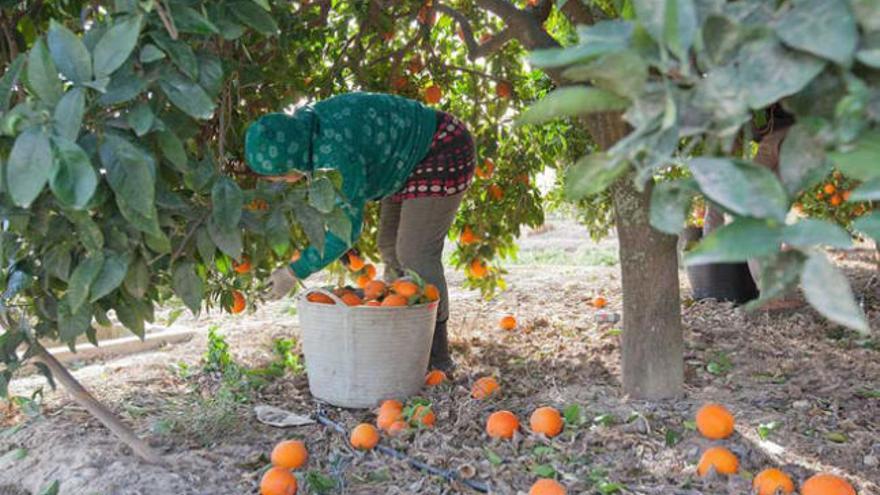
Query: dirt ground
805	394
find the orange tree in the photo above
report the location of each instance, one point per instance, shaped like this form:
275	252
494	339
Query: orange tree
117	127
689	76
121	138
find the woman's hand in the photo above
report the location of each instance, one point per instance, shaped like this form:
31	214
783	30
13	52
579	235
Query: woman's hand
283	280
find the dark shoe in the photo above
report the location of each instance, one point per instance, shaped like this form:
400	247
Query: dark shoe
440	358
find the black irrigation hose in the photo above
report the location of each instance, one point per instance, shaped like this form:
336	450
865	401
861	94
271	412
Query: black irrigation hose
447	474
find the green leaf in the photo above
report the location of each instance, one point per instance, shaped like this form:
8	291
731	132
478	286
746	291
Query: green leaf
828	290
188	286
81	281
141	118
544	471
670	203
151	53
802	160
836	437
871	57
205	245
52	489
187	95
181	53
172	149
131	174
869	224
210	74
124	86
823	28
741	187
28	167
769	72
130	317
114	48
593	41
339	224
493	458
57	261
672	22
624	73
87	230
137	279
765	429
572	101
189	20
278	232
69	113
110	277
226	239
312	224
9	81
158	242
867	191
591	175
42	76
741	240
811	232
254	16
322	196
69	53
722	37
572	414
72	179
859	160
227	200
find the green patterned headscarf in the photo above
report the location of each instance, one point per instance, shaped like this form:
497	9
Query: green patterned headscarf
277	143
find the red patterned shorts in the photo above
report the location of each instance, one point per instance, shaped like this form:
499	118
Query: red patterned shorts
448	167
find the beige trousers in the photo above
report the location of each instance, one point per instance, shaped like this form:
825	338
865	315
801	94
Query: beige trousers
411	236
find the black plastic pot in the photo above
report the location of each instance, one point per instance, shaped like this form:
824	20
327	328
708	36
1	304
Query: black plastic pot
720	281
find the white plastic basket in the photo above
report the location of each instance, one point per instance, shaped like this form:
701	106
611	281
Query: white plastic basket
358	356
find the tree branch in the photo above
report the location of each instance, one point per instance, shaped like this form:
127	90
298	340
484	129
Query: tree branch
476	50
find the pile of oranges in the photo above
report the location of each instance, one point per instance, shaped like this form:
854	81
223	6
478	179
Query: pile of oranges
715	422
405	291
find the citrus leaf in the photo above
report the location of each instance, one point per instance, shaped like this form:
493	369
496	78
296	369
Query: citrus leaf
188	286
81	280
73	179
810	232
187	95
802	160
28	167
189	20
859	161
741	187
110	277
151	53
340	224
624	73
137	279
69	53
115	46
131	173
741	240
9	81
827	289
869	224
867	191
591	175
780	273
670	203
823	28
140	118
227	200
322	196
69	113
42	75
769	72
572	101
278	232
172	149
226	239
254	16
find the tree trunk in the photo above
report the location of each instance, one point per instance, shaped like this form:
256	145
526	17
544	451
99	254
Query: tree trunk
652	354
653	346
82	397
